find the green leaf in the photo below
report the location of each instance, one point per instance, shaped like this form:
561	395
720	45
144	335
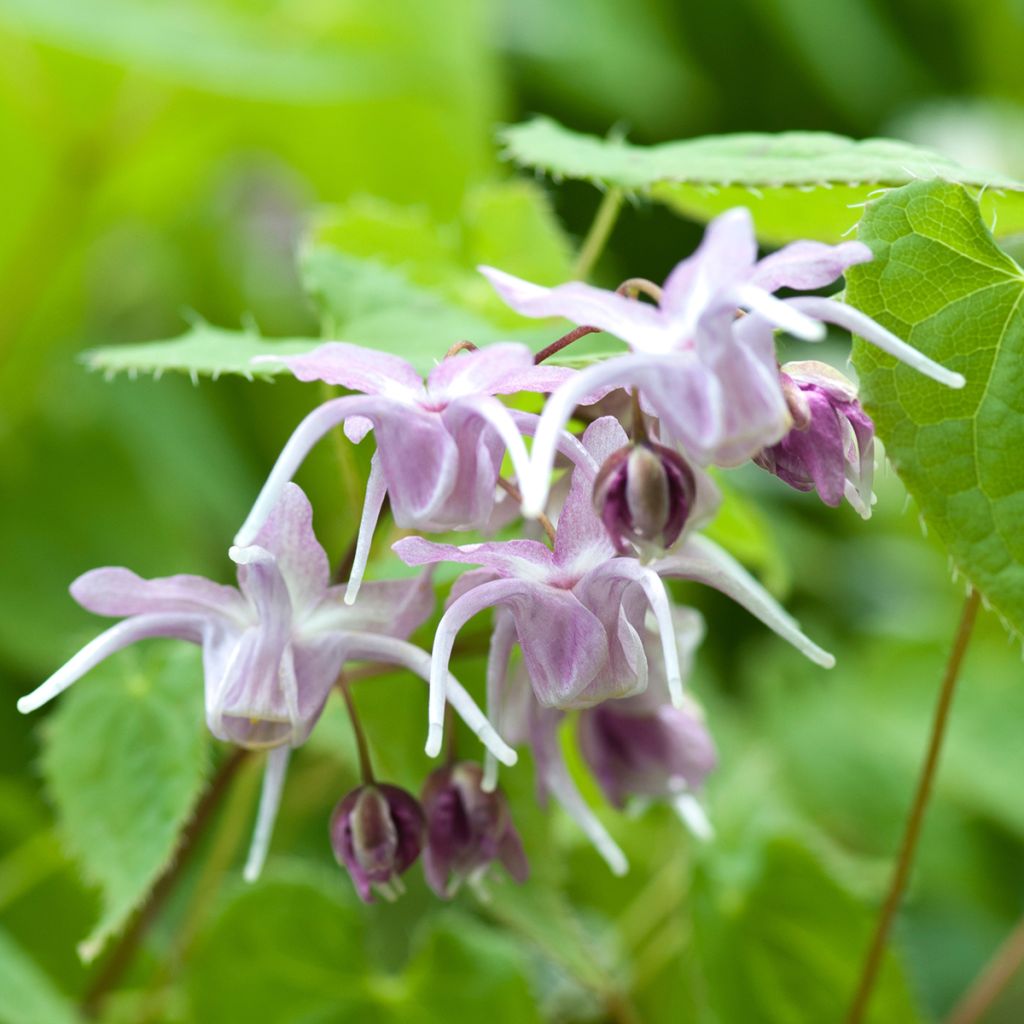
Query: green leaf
786	946
294	949
124	759
940	281
796	184
28	995
203	351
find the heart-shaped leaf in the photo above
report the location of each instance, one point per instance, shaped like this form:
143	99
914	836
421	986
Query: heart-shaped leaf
940	281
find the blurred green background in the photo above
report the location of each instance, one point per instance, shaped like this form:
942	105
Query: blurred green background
161	161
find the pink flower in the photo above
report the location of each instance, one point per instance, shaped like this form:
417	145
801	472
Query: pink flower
272	648
711	377
439	443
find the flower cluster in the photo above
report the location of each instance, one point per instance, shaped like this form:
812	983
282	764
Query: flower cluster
583	625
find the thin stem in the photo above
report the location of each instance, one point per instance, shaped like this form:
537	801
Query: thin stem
365	766
873	962
994	977
460	346
564	342
597	237
513	492
124	952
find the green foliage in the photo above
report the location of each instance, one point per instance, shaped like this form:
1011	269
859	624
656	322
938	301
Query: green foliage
290	950
786	948
797	184
940	281
203	350
29	997
124	759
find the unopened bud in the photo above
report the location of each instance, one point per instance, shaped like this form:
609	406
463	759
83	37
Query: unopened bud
467	829
831	446
377	832
644	494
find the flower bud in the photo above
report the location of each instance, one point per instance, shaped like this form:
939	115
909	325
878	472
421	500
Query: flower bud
658	753
467	829
644	494
377	832
831	448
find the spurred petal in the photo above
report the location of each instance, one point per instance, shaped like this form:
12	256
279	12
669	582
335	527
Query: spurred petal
778	312
358	368
503	638
366	646
306	434
116	591
270	801
373	502
140	627
807	266
701	560
863	326
635	322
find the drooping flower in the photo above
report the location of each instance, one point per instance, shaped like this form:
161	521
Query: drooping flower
468	828
645	746
709	375
831	447
439	443
377	832
619	770
577	612
272	648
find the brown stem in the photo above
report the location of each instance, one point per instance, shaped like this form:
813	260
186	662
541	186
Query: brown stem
564	342
634	286
124	952
513	491
460	346
994	977
873	962
365	765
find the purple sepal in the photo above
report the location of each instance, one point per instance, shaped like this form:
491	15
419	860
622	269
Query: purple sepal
656	753
467	829
831	448
377	833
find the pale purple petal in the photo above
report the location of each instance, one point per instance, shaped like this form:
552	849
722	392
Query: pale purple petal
117	591
723	259
358	368
807	266
288	535
501	422
493	370
637	323
373	502
863	326
391	607
701	560
356	428
398	652
270	801
141	627
529	559
778	312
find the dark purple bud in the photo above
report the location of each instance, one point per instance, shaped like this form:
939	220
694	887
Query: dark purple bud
467	829
644	494
658	753
377	832
831	448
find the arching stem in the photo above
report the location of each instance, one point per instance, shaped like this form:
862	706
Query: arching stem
905	860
